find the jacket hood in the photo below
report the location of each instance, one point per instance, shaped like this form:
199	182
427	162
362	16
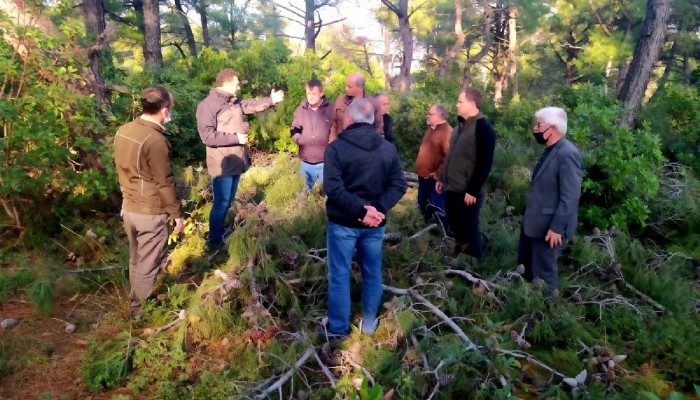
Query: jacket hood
362	135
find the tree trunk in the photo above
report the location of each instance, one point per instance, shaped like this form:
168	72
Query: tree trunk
488	42
95	27
188	28
388	60
401	12
513	50
151	34
646	54
499	68
201	7
310	25
571	53
459	41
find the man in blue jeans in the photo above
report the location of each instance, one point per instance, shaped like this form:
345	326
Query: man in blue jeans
363	180
223	129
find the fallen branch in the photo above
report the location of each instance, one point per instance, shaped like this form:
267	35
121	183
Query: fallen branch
423	231
93	270
287	375
531	358
471	278
642	295
180	317
435	310
324	368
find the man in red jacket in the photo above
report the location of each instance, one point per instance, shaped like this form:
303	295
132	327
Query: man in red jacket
310	129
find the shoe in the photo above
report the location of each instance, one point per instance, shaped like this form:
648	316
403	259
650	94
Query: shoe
369	329
322	333
136	312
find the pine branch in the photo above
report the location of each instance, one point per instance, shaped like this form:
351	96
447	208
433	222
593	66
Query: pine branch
324	368
435	310
531	358
287	375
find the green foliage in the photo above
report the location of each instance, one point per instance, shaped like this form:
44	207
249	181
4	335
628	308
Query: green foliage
41	294
13	281
673	116
108	364
621	166
54	152
161	363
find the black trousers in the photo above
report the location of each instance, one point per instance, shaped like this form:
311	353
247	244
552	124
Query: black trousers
539	259
464	222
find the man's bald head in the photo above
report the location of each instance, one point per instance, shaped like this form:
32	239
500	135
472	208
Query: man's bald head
355	85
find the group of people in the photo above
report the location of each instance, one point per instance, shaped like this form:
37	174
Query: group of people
347	145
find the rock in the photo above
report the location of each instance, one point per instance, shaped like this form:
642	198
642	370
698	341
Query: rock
70	329
148	331
82	343
8	323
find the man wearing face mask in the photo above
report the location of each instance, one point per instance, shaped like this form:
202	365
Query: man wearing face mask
223	129
551	212
142	158
310	130
354	89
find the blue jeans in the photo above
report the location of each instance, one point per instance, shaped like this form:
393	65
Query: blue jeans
429	200
342	242
312	173
225	188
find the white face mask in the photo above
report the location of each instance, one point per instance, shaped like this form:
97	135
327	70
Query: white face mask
168	118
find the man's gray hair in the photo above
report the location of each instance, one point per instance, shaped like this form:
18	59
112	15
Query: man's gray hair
553	116
361	110
360	81
441	110
380	94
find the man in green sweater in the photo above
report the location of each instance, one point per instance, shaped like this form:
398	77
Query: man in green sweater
142	157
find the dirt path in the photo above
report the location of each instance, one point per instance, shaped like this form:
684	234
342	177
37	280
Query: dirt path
38	359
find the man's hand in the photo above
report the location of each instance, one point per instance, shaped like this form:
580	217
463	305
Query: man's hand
179	225
373	218
242	138
553	238
469	200
277	96
438	187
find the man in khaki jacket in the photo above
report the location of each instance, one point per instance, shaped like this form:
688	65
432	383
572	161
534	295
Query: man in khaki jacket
223	129
142	158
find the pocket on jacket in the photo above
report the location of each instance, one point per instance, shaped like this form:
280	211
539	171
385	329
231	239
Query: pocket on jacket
548	211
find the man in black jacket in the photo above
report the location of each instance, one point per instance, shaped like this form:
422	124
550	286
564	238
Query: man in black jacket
382	99
363	179
467	166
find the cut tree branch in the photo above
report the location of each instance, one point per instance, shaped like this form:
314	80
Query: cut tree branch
439	313
287	375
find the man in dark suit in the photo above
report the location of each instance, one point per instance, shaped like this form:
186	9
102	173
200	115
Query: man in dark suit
551	213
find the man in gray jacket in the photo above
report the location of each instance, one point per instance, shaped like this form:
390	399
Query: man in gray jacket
551	212
223	130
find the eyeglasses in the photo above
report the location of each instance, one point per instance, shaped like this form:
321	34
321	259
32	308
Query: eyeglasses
432	113
539	125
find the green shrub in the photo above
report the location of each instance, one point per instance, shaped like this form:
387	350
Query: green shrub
674	117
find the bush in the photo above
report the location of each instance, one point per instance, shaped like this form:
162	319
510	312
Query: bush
673	116
622	166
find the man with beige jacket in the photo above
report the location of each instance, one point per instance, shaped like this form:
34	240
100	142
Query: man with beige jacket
223	129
